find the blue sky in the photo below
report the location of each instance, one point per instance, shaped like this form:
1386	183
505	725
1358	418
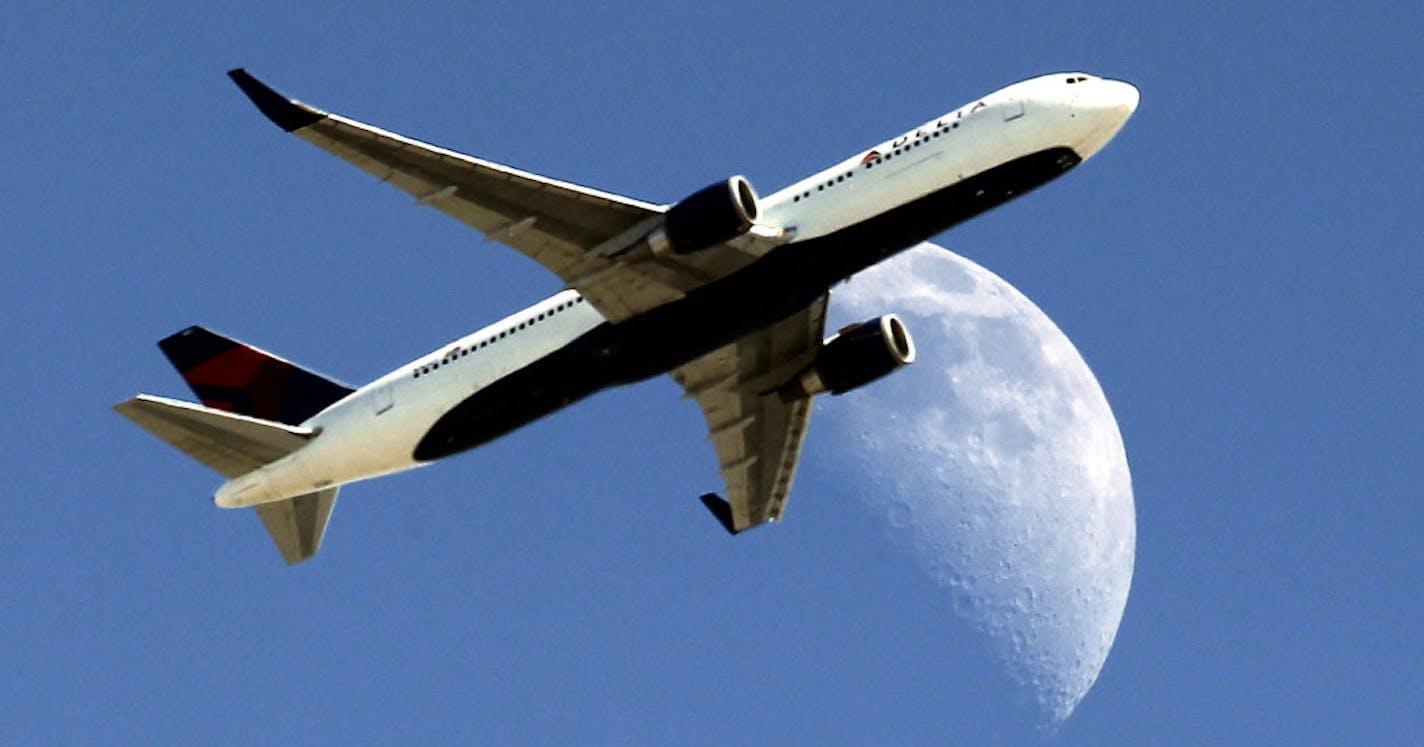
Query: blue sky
1241	267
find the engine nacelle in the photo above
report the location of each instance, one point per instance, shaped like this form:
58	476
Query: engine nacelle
708	217
860	354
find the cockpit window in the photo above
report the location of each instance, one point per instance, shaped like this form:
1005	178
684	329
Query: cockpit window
1076	79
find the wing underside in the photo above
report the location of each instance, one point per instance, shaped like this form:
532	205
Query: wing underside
757	434
564	227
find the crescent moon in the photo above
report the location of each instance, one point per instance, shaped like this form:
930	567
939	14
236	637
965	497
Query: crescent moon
1002	468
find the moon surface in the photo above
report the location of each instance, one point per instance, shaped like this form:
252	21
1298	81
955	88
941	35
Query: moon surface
996	459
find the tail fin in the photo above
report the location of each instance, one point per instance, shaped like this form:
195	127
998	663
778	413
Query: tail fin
236	377
234	445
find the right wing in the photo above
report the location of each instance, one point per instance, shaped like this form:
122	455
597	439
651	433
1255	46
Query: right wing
757	433
562	226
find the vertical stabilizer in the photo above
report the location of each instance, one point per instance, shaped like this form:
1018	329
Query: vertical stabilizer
236	377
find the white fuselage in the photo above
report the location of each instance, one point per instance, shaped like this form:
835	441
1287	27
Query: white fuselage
375	430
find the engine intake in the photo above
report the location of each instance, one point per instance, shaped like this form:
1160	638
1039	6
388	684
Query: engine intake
710	216
860	354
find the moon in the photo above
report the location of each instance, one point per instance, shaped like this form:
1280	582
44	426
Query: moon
997	461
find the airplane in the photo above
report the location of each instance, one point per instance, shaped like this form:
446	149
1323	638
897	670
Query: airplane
725	290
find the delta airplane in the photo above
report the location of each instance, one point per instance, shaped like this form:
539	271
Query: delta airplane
724	290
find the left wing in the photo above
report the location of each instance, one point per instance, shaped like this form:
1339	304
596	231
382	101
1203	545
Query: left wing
757	434
565	227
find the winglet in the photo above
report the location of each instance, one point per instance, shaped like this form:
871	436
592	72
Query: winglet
720	509
285	113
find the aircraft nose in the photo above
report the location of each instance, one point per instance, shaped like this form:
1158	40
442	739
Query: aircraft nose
1121	96
1104	107
1110	98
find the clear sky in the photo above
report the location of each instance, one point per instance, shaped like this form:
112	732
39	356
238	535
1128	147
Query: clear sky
1241	268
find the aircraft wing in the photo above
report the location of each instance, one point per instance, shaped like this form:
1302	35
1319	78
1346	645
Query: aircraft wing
757	434
561	226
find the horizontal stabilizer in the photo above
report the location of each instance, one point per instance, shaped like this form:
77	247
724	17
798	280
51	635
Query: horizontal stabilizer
234	445
231	444
298	524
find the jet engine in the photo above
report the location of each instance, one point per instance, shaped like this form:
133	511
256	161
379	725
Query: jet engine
708	217
860	354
